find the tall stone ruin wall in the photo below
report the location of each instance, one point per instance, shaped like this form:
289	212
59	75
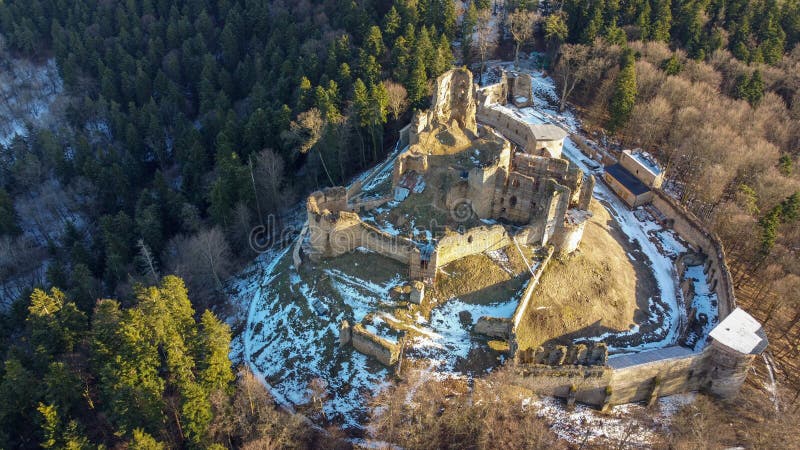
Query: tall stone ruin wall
454	101
492	94
332	200
408	161
336	234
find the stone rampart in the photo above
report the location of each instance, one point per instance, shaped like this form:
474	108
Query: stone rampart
689	227
587	384
512	127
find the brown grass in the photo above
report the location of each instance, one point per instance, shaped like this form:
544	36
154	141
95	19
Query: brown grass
478	279
591	291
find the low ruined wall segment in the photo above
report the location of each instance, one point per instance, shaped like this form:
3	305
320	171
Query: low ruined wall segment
493	327
476	240
375	346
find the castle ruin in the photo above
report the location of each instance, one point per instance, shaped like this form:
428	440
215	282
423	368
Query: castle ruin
478	177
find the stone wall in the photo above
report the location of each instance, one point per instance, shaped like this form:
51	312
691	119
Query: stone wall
332	200
454	101
667	371
587	384
568	237
645	377
506	123
704	241
408	161
493	94
522	90
375	346
476	240
332	235
496	327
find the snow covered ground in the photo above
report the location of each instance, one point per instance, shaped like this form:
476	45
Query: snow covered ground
625	426
27	92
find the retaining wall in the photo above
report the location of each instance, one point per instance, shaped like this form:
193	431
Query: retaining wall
589	383
493	327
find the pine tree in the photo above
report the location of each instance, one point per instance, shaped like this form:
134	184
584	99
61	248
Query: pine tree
467	29
373	43
361	104
214	365
555	31
444	57
615	35
755	88
417	85
624	96
643	21
425	50
672	65
8	217
659	31
401	56
391	23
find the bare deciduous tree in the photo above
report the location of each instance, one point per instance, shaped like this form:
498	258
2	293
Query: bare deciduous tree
486	39
398	98
521	25
574	66
202	260
269	173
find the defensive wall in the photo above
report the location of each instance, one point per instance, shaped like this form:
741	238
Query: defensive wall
717	369
476	240
691	230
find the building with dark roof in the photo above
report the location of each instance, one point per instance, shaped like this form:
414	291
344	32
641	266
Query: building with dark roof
629	188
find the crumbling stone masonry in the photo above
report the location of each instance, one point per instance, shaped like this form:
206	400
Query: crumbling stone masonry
384	351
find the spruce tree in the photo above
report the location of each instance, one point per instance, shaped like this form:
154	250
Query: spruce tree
417	85
659	31
624	96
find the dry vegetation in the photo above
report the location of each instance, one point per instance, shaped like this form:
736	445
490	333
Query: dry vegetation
421	412
478	278
596	289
